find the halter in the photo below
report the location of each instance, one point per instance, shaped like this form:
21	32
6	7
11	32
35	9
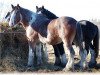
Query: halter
20	18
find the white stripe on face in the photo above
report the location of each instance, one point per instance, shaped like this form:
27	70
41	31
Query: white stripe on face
12	16
39	12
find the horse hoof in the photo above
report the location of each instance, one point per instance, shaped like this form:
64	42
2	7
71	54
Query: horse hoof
80	67
68	69
77	65
39	64
57	63
29	66
62	65
92	64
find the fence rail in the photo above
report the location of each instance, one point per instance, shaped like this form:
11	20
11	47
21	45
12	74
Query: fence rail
10	32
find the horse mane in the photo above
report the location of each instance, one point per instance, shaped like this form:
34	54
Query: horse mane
49	14
26	13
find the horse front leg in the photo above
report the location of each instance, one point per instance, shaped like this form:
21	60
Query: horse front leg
45	52
31	54
39	53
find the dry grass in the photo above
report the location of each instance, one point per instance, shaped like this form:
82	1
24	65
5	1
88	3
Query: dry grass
15	60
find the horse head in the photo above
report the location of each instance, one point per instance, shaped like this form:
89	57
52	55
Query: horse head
40	10
45	12
15	16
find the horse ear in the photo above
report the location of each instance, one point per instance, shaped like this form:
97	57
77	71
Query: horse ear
18	6
36	7
13	7
42	7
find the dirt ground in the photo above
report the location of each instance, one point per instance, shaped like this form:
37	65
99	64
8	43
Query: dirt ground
15	60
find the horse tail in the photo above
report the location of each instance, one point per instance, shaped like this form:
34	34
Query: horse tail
96	43
79	34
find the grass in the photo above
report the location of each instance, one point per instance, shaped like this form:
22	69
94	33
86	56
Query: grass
15	60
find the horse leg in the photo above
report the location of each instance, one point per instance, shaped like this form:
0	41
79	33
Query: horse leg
71	53
38	53
57	55
62	53
45	52
31	54
92	62
83	54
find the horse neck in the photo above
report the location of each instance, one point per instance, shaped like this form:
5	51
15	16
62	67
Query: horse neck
28	17
40	24
41	20
49	14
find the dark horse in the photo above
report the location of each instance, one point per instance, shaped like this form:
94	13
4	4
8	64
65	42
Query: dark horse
40	28
90	33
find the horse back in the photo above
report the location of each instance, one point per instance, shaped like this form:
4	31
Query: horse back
62	27
62	22
89	29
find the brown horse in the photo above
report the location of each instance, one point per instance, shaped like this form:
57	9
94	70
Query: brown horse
90	34
39	28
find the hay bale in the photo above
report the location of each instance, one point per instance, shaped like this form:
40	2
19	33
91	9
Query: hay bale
14	49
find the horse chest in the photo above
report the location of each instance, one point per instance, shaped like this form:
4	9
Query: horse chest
31	34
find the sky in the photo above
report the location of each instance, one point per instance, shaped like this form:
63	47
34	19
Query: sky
78	9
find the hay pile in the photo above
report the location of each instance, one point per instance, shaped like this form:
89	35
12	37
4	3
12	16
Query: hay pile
14	49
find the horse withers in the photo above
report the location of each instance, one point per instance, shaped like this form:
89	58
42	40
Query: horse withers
40	28
89	30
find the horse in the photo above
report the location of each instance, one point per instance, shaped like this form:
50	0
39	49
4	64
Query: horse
58	49
90	33
40	28
7	18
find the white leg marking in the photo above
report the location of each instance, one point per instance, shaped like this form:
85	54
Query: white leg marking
70	63
63	59
92	55
83	54
45	52
39	54
30	57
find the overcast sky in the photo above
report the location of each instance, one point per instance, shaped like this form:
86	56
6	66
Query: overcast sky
78	9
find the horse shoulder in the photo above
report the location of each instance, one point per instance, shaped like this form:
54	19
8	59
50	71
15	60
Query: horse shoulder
52	24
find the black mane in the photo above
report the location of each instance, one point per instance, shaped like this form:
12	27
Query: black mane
49	14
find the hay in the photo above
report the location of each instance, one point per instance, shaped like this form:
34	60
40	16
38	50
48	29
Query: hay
14	49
